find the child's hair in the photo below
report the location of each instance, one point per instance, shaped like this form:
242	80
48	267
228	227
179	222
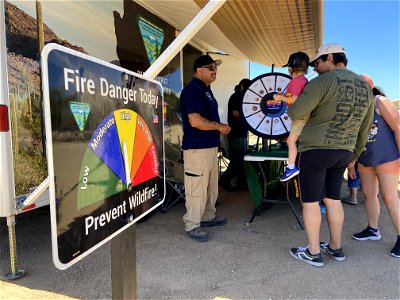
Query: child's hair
299	69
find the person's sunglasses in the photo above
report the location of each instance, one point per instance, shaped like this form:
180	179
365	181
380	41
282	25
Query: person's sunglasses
317	63
211	68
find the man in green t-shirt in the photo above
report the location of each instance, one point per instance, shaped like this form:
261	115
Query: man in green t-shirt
339	105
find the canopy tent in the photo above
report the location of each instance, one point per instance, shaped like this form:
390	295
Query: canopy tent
262	31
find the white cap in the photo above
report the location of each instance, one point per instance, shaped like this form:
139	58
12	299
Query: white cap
326	49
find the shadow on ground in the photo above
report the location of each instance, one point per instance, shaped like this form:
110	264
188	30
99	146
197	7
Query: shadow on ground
239	261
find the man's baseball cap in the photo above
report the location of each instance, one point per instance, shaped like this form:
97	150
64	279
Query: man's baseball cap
369	80
205	60
298	60
326	49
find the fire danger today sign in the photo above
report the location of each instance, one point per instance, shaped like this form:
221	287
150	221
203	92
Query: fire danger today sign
104	132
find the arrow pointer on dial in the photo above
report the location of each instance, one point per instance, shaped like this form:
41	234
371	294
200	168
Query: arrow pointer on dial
127	169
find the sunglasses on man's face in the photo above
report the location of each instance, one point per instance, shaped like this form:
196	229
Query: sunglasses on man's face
317	63
211	68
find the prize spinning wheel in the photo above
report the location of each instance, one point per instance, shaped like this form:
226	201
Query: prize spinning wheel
264	116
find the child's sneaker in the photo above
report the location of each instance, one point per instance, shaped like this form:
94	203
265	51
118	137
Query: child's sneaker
322	208
396	249
368	234
303	254
289	174
337	255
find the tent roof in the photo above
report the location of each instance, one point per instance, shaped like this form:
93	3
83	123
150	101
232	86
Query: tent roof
263	31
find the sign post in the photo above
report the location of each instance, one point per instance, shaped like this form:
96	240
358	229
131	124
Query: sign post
123	264
104	133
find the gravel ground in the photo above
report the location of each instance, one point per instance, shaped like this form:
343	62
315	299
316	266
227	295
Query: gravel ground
239	262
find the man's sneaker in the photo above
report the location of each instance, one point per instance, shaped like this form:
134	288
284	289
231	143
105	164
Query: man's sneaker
217	221
368	234
349	200
289	174
198	235
335	254
396	249
303	254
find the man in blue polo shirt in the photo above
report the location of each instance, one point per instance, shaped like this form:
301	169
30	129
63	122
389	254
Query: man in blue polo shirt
201	130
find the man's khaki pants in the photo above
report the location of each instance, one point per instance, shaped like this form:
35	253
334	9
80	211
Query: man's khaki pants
201	185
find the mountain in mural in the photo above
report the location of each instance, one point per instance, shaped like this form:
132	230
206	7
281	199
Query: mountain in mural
22	45
23	63
21	32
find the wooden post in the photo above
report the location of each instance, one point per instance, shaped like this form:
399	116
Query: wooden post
123	264
29	104
40	38
40	31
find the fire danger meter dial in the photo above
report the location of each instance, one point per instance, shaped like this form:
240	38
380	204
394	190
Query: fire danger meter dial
263	115
120	155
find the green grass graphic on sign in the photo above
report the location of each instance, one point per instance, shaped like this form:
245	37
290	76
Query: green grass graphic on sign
80	112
